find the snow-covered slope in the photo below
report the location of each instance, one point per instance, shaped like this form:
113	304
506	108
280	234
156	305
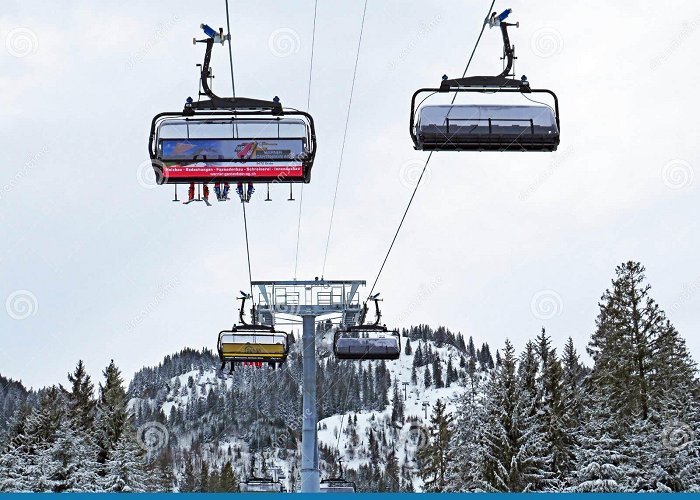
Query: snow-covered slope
253	416
404	439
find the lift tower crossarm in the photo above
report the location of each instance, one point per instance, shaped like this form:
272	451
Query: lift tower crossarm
310	282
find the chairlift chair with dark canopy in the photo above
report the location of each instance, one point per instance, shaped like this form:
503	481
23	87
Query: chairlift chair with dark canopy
491	127
367	342
260	485
338	484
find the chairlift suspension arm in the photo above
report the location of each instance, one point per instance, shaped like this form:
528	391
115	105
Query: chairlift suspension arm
206	71
241	313
363	314
377	311
508	49
232	103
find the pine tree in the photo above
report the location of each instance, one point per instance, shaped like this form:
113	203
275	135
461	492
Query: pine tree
472	374
572	397
467	443
601	475
418	358
485	358
600	465
572	379
675	466
15	465
16	426
214	482
471	351
29	464
112	415
408	350
373	447
460	343
188	483
81	401
437	373
436	455
392	473
559	444
228	479
40	471
627	326
397	406
643	379
74	455
164	475
126	467
427	379
528	369
511	460
204	477
451	375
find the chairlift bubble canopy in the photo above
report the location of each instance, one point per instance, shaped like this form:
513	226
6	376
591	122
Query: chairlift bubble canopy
486	128
260	485
337	485
367	342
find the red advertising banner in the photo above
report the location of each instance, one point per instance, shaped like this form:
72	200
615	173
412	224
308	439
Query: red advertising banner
237	171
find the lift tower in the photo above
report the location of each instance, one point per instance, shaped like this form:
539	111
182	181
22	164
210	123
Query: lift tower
310	300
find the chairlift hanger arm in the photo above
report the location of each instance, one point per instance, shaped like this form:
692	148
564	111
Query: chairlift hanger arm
378	313
508	49
232	103
241	313
504	78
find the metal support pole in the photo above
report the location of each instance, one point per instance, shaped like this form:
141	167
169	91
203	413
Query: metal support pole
309	308
310	474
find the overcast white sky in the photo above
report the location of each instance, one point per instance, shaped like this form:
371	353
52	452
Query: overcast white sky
97	264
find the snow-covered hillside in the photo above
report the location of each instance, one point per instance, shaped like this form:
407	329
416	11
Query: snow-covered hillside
252	418
404	439
445	417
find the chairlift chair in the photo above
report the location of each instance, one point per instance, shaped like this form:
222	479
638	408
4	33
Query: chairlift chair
492	127
367	342
337	485
231	139
255	344
260	485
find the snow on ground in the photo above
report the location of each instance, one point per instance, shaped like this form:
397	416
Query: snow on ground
203	382
405	439
419	403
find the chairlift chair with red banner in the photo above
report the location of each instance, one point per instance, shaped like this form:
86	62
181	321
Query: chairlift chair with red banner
231	139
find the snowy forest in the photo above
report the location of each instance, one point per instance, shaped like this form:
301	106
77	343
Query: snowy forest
453	414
